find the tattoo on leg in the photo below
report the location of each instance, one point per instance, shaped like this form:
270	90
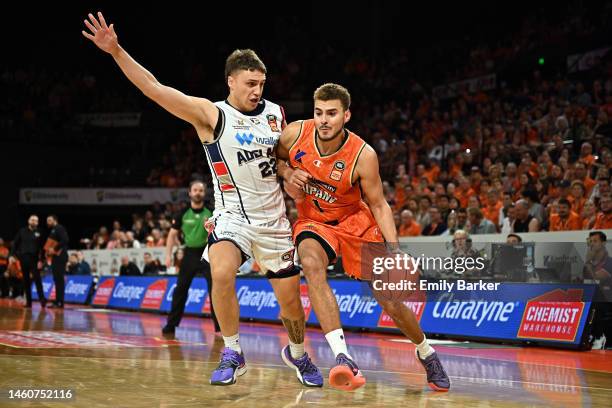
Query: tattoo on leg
295	329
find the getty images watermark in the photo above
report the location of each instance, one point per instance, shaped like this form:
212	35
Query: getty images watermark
398	272
395	274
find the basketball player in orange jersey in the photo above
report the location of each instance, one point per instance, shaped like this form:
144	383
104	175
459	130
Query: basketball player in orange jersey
330	169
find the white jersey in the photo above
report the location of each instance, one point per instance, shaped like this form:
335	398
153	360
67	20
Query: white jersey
243	163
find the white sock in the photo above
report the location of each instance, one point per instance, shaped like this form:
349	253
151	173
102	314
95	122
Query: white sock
233	342
297	350
425	350
336	341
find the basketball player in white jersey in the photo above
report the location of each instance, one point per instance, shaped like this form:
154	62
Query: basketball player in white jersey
239	136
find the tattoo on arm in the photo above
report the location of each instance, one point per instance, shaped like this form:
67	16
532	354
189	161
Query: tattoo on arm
295	329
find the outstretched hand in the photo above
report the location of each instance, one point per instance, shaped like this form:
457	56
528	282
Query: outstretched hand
101	34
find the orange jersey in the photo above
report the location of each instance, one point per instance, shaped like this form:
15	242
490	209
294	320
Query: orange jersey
491	212
330	193
572	222
411	230
603	221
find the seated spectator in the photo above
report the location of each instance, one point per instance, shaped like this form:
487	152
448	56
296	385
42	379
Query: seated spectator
423	217
408	227
115	241
74	266
158	239
479	224
513	239
131	241
128	268
589	215
152	266
565	219
535	208
492	207
524	221
451	224
436	226
581	175
443	205
601	188
464	192
604	217
578	197
83	264
506	227
462	219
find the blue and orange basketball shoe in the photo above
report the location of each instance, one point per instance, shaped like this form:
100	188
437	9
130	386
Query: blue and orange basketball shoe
436	376
345	375
306	371
231	366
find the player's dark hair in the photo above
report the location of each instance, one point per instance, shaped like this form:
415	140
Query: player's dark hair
246	60
330	92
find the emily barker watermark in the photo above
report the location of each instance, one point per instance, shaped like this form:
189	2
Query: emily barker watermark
398	276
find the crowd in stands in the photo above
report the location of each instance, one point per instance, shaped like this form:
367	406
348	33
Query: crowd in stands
532	154
146	231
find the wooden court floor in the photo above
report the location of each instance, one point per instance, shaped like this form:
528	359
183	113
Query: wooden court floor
119	359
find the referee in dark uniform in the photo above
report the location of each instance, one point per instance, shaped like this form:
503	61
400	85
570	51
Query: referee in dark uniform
190	223
27	247
56	249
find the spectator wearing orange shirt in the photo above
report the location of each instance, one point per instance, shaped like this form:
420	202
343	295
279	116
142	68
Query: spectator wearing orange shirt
485	186
432	173
578	197
493	206
586	154
589	215
476	179
565	219
409	227
604	217
464	191
580	174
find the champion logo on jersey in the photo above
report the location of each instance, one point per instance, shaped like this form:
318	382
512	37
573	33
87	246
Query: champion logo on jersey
244	138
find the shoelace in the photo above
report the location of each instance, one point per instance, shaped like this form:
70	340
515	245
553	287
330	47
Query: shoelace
305	364
437	372
227	360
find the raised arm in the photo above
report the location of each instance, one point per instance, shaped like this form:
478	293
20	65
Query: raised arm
367	173
200	112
